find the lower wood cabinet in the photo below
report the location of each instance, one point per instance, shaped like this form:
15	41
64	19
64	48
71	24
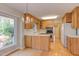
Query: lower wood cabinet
40	42
28	41
44	43
37	42
73	45
69	43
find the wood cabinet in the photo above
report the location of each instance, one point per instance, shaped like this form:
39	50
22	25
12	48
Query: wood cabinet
28	41
40	42
67	18
29	20
28	26
44	43
73	45
75	18
36	42
68	43
46	23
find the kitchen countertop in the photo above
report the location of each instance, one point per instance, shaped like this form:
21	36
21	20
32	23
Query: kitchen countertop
74	36
37	34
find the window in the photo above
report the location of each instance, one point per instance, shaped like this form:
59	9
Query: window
6	31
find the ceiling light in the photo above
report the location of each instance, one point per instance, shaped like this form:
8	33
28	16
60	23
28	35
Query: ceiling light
49	17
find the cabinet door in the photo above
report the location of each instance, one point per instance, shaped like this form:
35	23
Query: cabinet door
73	23
75	18
77	46
78	18
73	45
38	43
44	43
28	41
67	18
69	43
38	25
35	42
28	26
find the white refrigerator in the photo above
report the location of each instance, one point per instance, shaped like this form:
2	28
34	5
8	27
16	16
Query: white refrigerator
66	29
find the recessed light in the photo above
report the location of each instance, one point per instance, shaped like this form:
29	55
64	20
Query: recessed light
49	17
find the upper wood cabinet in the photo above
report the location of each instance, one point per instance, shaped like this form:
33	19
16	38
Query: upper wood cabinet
47	23
67	18
75	18
29	20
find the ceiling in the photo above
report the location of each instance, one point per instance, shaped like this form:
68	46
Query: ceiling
43	9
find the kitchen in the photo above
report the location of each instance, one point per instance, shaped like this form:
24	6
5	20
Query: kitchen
48	31
36	31
44	29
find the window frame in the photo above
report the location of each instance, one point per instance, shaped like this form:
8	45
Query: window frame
15	30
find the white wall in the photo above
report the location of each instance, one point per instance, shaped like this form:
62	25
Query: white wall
21	43
10	12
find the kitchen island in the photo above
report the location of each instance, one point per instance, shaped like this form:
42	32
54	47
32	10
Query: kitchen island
37	41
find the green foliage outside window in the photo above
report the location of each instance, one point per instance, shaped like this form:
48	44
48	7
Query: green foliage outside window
7	29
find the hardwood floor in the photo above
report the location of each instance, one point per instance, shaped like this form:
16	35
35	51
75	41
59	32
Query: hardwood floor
56	49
